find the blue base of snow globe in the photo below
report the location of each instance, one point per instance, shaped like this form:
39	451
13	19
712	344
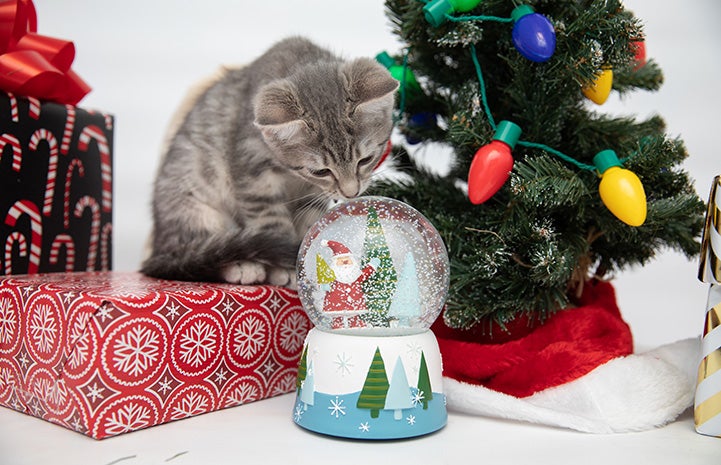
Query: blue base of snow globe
360	386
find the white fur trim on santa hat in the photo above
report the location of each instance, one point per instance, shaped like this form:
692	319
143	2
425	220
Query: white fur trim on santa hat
633	393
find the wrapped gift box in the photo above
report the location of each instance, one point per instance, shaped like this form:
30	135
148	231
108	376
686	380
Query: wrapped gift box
105	353
55	187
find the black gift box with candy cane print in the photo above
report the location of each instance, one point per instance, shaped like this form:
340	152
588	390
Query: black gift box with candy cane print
55	187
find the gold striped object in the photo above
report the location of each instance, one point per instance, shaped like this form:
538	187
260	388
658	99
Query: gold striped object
707	404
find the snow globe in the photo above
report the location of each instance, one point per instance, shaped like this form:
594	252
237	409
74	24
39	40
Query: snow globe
373	275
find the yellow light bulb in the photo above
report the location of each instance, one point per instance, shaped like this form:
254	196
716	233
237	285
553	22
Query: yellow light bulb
620	189
600	89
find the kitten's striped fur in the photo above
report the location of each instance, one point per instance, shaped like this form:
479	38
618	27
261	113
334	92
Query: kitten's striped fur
258	156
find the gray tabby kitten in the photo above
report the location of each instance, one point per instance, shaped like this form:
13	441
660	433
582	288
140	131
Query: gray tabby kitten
257	159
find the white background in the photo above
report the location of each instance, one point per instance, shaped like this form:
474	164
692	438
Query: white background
141	56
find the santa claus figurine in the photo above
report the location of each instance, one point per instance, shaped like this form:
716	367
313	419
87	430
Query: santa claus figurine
345	299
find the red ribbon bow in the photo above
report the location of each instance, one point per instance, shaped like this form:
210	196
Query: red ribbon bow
32	64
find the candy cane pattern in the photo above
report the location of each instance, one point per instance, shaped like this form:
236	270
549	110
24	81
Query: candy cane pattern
26	207
75	163
89	202
34	107
105	247
93	132
17	149
108	118
15	237
44	134
68	131
14	116
67	241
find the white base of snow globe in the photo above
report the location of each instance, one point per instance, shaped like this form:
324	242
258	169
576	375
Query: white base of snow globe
370	387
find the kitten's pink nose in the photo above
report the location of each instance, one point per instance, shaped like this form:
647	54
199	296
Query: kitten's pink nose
349	188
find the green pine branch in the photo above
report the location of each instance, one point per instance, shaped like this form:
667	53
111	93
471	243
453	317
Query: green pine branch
530	248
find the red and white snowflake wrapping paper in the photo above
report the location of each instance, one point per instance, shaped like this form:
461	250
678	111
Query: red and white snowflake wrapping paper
106	353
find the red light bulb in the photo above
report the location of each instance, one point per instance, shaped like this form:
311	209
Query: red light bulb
638	48
492	163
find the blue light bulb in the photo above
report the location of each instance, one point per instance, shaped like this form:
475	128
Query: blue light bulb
533	34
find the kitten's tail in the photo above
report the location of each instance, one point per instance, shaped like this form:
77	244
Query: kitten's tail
204	262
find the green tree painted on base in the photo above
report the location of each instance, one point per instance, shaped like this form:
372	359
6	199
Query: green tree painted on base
302	369
424	382
381	285
375	388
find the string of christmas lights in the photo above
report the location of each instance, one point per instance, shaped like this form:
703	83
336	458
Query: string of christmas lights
533	35
621	191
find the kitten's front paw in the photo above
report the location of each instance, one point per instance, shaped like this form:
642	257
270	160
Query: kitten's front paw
244	273
283	277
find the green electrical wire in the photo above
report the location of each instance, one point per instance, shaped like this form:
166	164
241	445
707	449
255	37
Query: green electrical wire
484	97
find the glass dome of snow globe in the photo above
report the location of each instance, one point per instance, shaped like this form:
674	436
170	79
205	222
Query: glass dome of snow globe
373	266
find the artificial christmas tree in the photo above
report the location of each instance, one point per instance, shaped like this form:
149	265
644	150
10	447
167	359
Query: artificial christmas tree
528	233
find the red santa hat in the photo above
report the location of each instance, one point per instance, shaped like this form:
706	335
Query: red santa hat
338	248
577	370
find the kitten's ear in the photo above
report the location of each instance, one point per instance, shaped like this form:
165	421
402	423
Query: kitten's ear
277	111
370	85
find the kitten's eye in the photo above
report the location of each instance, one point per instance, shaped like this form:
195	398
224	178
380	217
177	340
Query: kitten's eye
320	173
365	161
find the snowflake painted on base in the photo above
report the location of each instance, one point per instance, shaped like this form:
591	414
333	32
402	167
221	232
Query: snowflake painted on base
414	349
364	427
298	413
417	398
411	420
343	364
336	407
